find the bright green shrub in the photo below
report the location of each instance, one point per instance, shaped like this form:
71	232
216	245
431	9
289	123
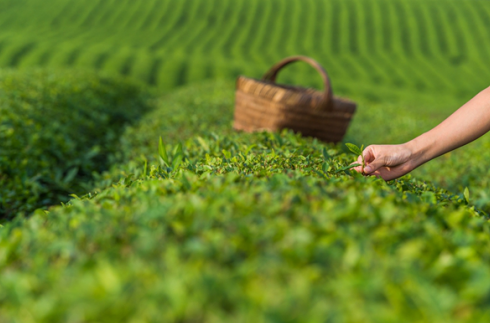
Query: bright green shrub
56	129
208	107
249	228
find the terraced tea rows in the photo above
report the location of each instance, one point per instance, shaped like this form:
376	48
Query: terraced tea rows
416	45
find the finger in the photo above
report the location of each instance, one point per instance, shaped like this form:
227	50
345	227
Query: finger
389	173
368	154
358	169
374	165
359	160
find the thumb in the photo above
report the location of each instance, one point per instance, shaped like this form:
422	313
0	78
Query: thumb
374	165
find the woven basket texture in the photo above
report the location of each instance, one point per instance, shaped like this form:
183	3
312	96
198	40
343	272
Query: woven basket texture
264	105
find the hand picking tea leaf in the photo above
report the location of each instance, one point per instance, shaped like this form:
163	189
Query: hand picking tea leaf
358	152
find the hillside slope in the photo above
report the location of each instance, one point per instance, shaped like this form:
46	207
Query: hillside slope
370	47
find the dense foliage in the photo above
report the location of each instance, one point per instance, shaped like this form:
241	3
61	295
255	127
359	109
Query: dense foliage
226	226
247	228
56	129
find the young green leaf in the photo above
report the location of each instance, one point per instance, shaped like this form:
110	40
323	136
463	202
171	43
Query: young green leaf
249	148
325	154
178	156
466	194
203	143
163	153
226	153
321	174
354	149
357	151
326	167
185	182
145	169
343	169
71	175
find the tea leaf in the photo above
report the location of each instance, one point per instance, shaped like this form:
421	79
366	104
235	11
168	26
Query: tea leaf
203	143
178	156
325	153
354	149
466	194
343	169
162	153
71	175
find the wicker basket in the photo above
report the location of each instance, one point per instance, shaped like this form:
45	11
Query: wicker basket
264	105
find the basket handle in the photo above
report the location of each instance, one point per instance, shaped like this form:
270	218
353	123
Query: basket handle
271	74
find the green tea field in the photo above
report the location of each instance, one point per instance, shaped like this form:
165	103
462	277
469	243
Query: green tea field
372	46
125	195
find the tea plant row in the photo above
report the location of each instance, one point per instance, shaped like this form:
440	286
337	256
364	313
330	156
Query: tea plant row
249	227
370	48
57	128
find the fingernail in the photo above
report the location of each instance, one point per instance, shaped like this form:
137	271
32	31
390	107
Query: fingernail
367	169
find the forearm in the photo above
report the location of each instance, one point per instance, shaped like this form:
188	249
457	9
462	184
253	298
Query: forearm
466	124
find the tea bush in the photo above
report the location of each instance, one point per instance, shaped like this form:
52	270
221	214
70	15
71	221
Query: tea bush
208	107
56	129
249	228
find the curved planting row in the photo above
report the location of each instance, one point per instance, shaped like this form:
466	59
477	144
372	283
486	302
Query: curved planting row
414	44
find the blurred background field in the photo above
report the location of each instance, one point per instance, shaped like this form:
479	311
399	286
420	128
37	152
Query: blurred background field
374	48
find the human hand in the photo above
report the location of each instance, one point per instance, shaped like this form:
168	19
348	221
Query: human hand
387	161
